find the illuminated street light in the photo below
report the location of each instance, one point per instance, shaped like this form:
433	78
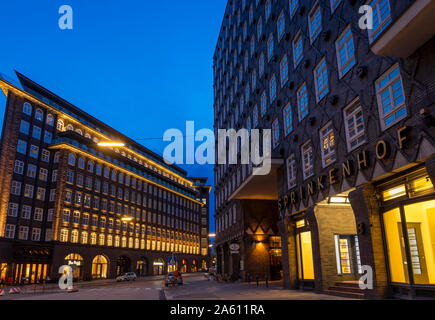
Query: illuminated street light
212	235
111	144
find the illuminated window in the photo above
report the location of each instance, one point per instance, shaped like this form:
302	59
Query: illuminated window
84	237
300	223
305	256
75	236
327	142
291	172
93	238
307	160
394	193
63	235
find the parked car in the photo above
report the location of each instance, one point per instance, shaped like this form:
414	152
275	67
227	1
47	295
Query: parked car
171	279
126	277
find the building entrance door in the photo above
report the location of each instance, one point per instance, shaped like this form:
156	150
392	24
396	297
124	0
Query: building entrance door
305	256
416	250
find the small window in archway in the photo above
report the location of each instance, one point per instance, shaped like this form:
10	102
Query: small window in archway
71	159
39	114
27	108
50	120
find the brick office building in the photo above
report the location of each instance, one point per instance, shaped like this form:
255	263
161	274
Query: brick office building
352	119
204	196
68	199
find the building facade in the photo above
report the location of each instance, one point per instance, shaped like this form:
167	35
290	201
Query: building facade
67	198
204	197
351	111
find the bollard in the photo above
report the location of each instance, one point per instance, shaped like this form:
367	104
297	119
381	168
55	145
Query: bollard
257	279
267	282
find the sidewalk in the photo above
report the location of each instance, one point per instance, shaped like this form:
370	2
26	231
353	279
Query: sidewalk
211	290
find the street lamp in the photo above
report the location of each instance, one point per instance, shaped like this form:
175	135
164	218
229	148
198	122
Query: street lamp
212	235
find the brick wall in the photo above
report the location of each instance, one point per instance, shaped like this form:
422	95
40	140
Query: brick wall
332	220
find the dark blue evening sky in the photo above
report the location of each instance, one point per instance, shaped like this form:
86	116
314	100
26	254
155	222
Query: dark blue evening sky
140	66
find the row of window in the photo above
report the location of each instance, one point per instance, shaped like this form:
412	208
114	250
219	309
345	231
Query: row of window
103	240
23	233
391	99
61	127
26	212
132	243
50	120
345	59
392	108
381	19
125	179
39	114
29	189
154	218
36	132
106	205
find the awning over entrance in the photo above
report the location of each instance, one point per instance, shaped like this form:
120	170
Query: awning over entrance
260	187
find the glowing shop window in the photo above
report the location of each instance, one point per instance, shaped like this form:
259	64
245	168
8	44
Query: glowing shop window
420	225
421	186
300	224
342	250
395	245
394	193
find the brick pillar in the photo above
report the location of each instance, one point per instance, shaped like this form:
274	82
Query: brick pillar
288	244
366	209
315	245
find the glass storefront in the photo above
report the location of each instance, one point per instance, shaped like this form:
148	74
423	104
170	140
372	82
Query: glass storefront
141	268
29	273
158	267
75	261
409	228
99	267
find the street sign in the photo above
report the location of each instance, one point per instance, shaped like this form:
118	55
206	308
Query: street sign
172	260
234	247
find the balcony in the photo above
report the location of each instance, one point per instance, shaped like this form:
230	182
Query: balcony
409	32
